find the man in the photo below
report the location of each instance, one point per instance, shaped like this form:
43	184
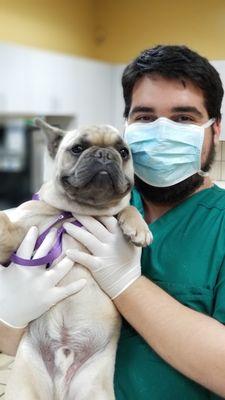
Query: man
172	344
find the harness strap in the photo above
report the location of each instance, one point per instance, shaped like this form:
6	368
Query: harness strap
55	251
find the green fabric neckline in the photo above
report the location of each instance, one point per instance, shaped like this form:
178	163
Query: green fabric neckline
139	204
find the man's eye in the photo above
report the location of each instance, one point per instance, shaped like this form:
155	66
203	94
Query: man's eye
144	118
184	119
77	149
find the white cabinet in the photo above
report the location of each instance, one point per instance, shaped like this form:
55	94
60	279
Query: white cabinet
93	92
36	82
14	86
64	85
73	86
51	79
117	96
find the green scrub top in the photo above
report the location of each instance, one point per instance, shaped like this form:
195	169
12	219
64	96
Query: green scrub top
187	260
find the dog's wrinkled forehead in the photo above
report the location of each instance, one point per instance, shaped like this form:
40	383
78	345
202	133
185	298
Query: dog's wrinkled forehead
101	135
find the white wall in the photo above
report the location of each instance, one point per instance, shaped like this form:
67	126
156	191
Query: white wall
220	67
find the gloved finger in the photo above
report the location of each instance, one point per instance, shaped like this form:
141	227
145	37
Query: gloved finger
59	270
83	236
60	293
87	260
46	245
110	223
93	226
13	326
26	248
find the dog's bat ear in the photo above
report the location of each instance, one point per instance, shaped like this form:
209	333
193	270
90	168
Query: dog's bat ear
53	135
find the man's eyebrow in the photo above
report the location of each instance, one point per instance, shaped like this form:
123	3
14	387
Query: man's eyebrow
186	109
189	109
142	109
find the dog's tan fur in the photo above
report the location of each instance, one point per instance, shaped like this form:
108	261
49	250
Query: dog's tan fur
69	352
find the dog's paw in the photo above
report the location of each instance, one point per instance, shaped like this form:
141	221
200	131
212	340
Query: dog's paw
134	227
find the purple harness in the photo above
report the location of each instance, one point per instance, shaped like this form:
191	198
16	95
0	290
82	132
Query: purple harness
55	251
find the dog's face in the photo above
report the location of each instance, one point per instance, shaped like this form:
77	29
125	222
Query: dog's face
93	165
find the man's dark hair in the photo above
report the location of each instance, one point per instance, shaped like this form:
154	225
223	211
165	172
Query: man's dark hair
175	62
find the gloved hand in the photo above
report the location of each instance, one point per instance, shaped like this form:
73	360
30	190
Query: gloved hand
113	262
28	292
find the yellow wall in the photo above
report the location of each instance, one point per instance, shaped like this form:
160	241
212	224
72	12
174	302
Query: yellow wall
60	25
132	25
114	30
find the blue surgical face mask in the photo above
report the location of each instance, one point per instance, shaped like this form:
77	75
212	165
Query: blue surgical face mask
166	152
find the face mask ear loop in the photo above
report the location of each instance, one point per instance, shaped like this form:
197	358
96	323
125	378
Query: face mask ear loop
209	123
206	125
203	173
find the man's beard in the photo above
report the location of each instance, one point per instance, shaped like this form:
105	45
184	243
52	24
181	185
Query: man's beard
174	194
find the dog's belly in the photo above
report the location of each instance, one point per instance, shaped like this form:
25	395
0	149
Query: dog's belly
77	327
74	339
75	334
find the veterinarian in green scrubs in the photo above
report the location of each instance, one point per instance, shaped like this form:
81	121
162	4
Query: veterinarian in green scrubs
186	259
172	343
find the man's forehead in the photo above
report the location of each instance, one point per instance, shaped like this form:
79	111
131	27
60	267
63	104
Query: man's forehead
150	85
162	94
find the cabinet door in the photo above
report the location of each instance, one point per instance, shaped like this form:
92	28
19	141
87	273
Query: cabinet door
92	91
15	87
118	101
52	81
43	76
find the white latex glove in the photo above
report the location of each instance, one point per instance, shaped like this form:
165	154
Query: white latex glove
28	292
113	262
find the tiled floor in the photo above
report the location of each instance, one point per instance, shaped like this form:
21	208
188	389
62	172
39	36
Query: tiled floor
5	366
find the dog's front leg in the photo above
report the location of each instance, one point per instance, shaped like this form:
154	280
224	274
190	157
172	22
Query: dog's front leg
12	232
134	226
11	235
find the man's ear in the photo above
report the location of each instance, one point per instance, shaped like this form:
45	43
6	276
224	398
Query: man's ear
53	135
216	131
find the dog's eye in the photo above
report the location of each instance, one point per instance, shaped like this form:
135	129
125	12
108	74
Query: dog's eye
124	152
77	149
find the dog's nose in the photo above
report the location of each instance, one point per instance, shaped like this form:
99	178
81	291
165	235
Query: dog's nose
103	155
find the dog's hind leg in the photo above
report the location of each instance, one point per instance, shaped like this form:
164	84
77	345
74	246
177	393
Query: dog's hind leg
94	380
29	379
